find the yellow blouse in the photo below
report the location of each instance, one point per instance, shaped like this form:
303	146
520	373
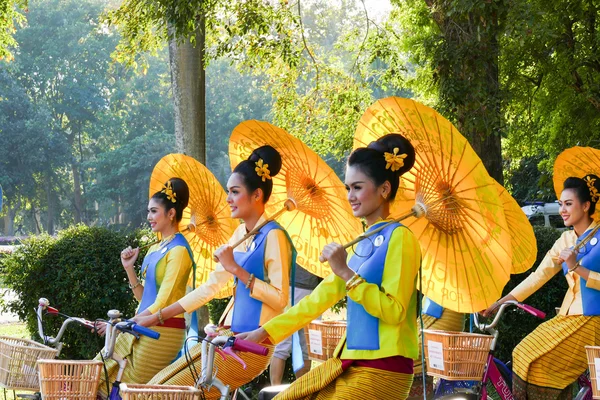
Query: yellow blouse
172	273
395	304
273	292
571	304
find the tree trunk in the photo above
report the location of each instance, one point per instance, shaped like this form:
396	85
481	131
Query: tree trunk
188	80
50	200
77	202
189	99
467	69
9	221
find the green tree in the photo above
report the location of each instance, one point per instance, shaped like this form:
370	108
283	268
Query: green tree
10	19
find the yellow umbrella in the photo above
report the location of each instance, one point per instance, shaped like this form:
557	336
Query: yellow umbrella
463	232
577	162
322	214
522	238
206	222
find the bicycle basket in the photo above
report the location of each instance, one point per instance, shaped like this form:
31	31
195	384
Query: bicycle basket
456	356
18	357
322	338
593	357
158	392
69	379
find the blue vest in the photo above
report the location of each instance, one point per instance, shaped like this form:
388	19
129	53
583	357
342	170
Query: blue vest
432	308
590	257
368	261
149	269
247	310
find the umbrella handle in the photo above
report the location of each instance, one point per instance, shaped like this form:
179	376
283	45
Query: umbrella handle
289	205
417	211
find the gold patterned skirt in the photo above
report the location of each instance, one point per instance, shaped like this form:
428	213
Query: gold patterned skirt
229	371
330	381
145	357
553	356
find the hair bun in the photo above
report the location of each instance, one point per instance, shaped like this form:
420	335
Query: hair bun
269	156
392	141
182	192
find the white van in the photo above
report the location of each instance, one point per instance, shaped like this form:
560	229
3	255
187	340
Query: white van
544	214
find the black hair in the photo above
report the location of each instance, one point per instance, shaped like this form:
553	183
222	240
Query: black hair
181	194
250	177
583	188
371	160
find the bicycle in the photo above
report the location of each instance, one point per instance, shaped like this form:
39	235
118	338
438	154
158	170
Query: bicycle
113	325
224	346
496	372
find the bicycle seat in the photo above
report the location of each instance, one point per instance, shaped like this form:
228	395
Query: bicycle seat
270	392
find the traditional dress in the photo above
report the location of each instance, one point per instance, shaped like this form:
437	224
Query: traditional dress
551	357
375	358
269	255
166	269
434	317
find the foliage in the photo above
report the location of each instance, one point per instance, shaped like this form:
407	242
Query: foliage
10	18
79	272
514	326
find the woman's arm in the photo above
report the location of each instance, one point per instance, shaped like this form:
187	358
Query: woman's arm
128	258
390	302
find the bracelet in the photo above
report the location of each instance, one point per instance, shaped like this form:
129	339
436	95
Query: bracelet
354	282
160	318
138	283
575	267
249	281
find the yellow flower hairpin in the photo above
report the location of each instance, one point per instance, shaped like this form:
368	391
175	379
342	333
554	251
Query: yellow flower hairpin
168	190
395	160
262	170
593	191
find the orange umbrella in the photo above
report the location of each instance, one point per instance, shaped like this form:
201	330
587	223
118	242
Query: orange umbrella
322	213
522	238
463	232
206	222
576	161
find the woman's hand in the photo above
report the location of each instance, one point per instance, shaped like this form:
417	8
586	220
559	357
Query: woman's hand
336	255
569	256
225	256
491	310
147	320
257	336
100	328
129	256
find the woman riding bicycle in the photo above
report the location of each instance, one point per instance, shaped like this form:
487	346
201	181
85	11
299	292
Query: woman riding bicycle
375	359
553	356
260	266
165	272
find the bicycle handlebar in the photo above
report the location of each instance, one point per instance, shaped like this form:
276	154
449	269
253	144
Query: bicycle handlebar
531	310
247	346
116	324
44	305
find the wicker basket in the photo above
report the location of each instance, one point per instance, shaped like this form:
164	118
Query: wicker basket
456	356
322	338
18	357
158	392
593	356
69	379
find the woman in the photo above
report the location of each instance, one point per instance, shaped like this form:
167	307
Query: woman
261	267
166	269
375	359
553	356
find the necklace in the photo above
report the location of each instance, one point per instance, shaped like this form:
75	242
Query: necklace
166	241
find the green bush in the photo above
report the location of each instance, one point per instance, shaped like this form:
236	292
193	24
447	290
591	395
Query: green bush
516	324
80	273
